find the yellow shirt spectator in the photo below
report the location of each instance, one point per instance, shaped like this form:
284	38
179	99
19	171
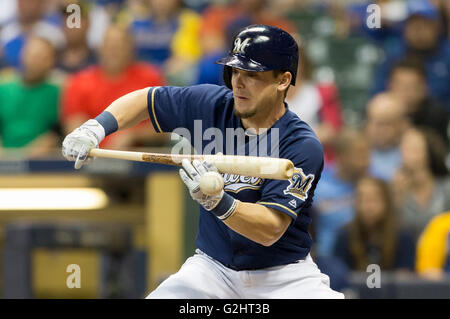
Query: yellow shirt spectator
433	251
186	40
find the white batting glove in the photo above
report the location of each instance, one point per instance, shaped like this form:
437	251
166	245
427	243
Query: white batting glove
76	145
190	174
222	205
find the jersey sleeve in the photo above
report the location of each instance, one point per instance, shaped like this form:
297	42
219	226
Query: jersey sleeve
293	195
172	107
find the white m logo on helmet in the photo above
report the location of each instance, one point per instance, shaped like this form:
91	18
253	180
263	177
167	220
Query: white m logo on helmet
239	46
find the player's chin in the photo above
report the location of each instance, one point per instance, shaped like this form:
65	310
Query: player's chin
243	109
244	114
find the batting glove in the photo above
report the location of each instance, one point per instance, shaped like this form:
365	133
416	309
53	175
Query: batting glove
76	145
222	205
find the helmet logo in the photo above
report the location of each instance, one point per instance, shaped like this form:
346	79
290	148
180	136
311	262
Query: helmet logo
239	46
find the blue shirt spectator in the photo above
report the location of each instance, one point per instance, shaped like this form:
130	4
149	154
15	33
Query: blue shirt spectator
208	72
437	67
386	121
167	31
153	40
419	35
31	19
384	163
333	205
407	82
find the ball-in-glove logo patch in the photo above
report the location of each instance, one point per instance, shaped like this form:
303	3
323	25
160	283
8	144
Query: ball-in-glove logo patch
299	184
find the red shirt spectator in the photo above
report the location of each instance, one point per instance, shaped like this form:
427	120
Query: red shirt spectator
90	91
93	89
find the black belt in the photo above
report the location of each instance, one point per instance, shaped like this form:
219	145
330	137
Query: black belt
259	268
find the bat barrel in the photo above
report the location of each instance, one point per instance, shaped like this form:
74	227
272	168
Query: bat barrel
263	167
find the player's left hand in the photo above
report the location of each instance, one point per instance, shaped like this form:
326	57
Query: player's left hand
191	174
76	145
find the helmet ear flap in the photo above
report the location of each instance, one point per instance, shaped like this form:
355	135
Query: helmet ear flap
227	76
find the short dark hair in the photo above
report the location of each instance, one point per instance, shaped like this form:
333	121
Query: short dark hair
411	63
436	151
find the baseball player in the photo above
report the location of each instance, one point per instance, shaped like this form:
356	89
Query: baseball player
252	239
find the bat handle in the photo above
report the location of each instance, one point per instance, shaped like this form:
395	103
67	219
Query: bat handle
124	155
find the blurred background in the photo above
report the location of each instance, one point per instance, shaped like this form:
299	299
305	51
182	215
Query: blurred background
374	85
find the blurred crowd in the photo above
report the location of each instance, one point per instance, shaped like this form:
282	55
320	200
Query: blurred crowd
384	195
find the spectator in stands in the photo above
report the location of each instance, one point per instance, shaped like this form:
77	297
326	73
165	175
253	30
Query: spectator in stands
102	13
29	104
285	7
408	82
444	8
433	253
385	123
422	184
90	91
76	54
374	237
30	20
217	18
334	194
220	24
8	10
168	36
419	36
317	104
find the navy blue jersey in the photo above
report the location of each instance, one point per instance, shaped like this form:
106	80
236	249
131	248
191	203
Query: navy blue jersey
207	110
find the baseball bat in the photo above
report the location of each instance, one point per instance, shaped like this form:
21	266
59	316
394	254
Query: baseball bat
252	166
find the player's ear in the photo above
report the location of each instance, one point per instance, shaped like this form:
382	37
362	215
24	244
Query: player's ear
284	80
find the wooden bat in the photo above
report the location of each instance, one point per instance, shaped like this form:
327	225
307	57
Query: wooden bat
263	167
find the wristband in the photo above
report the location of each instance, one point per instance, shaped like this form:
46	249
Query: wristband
108	121
225	208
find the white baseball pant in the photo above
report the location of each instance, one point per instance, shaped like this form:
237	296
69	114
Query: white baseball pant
202	277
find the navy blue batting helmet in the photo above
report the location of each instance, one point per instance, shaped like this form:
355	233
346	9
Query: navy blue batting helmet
261	48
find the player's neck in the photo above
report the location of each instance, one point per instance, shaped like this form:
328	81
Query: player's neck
262	121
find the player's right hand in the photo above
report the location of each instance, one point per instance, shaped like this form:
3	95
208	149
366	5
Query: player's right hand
191	174
76	145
